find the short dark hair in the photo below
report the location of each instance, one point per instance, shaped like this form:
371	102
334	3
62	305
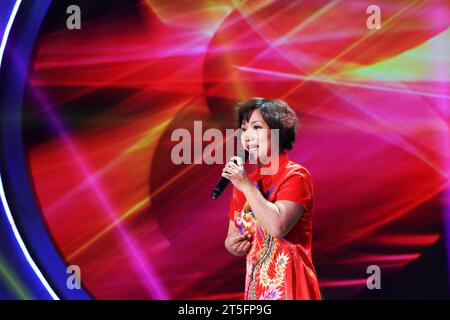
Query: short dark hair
276	113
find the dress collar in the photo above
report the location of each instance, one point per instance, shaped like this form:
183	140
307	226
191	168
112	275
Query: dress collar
282	159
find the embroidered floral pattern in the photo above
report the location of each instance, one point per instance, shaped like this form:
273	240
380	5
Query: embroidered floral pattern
245	220
277	267
270	294
266	265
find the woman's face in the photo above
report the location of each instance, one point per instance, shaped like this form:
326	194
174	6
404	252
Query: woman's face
256	137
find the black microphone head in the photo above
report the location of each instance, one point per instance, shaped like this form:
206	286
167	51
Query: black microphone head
215	194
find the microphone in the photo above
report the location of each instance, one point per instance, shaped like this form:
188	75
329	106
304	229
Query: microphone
223	182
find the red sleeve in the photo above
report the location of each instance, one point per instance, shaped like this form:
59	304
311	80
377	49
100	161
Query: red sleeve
232	204
297	188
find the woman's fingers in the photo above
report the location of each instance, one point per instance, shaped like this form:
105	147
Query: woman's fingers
240	243
226	175
229	171
239	161
232	165
238	238
244	246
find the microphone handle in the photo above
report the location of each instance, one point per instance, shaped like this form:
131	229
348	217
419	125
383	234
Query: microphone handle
223	182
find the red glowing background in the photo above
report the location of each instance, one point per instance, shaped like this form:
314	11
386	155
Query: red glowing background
373	133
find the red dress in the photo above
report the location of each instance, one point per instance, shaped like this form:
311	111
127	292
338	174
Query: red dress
279	268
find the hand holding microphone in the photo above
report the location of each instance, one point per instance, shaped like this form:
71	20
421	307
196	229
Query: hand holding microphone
233	171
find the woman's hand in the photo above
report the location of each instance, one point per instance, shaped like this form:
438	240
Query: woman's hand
238	244
236	173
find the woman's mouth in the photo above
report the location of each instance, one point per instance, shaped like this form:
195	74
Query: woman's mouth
252	147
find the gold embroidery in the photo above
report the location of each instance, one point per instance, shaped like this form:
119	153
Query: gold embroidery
279	270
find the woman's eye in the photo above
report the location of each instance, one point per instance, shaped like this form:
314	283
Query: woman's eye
257	127
243	129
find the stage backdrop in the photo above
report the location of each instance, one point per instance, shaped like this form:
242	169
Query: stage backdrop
102	102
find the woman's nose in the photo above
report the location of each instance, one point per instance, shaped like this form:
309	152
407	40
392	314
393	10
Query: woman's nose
247	136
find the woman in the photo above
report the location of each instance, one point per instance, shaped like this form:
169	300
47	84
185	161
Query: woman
271	215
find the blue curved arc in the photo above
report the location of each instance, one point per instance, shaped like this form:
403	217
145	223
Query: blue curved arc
27	236
6	208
